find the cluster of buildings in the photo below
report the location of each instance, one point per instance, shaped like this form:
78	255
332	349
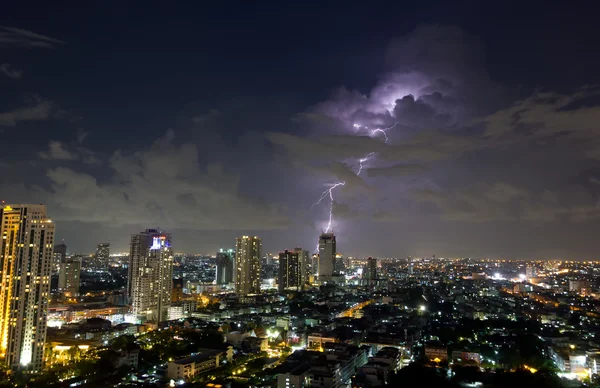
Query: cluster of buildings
356	321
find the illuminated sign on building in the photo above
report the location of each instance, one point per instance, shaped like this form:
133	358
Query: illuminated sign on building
159	242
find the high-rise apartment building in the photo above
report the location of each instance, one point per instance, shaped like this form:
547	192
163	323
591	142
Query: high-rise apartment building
69	276
305	263
59	255
247	262
370	272
327	251
225	264
290	276
150	280
26	258
102	255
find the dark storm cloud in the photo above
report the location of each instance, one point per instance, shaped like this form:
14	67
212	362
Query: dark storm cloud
443	112
11	36
483	202
163	184
457	150
546	116
395	170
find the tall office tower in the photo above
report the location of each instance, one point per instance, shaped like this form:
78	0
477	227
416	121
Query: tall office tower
327	251
69	276
370	274
150	280
59	255
247	262
26	258
225	264
289	270
304	260
102	255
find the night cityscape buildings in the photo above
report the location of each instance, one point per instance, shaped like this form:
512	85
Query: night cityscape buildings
327	253
59	256
150	274
26	258
102	255
290	274
370	272
413	190
225	266
248	264
69	276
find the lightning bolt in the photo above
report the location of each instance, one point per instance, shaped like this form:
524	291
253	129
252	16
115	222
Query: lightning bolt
325	194
379	130
362	160
383	131
329	191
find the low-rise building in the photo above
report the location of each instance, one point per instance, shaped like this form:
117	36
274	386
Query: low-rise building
436	353
189	367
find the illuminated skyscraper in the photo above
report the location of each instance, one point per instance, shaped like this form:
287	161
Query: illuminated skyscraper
102	255
25	258
225	264
327	251
247	261
69	276
289	270
150	280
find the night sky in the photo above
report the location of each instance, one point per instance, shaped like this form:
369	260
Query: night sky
214	121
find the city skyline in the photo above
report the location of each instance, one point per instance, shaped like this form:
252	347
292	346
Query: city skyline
428	130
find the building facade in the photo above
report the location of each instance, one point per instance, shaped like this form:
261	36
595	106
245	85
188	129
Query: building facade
59	255
305	262
225	264
69	277
26	260
370	273
247	260
102	255
290	276
150	280
327	252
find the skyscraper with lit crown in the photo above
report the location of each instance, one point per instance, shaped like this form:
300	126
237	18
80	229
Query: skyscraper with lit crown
247	260
150	280
26	260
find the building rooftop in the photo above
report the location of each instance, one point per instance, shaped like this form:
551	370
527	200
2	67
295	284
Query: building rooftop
203	355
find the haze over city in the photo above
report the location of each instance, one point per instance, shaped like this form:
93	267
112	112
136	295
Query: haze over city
205	122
